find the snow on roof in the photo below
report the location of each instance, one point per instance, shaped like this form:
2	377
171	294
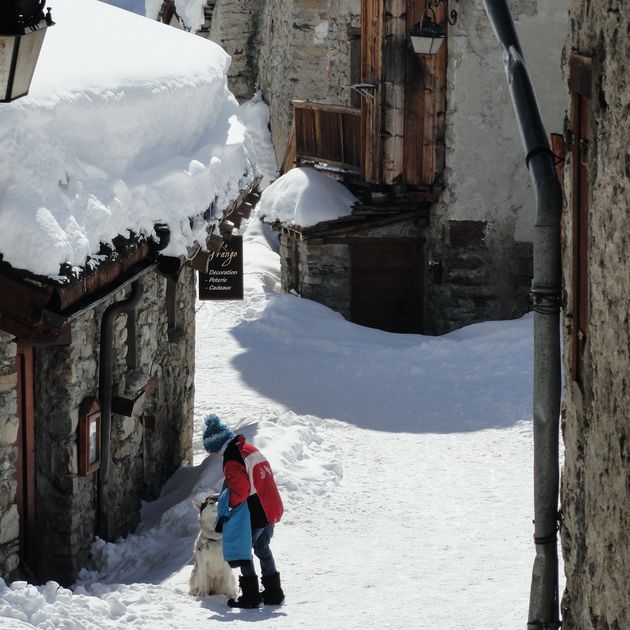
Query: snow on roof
128	122
304	197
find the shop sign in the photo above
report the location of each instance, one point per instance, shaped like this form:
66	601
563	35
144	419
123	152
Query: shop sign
223	279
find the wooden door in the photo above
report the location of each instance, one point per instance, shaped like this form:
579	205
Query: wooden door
387	284
25	469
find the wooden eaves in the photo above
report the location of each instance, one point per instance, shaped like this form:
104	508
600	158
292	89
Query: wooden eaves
361	217
36	307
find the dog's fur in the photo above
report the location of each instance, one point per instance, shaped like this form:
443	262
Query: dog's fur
211	574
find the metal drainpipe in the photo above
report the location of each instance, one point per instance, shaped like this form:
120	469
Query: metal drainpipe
543	603
105	395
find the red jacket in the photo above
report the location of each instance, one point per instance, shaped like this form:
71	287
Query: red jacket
249	477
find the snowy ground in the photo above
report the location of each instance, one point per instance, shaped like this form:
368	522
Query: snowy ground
404	462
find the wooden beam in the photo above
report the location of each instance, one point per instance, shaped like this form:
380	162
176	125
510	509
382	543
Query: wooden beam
371	73
394	56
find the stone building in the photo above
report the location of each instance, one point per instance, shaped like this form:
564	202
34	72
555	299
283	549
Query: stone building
96	400
107	206
595	492
54	375
431	150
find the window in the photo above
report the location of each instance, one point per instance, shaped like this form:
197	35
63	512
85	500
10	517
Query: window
89	436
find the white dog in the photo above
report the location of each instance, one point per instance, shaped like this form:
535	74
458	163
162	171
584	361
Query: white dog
211	574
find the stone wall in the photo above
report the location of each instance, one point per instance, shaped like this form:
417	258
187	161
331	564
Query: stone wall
486	182
324	273
344	52
9	524
595	493
477	271
146	449
237	28
289	49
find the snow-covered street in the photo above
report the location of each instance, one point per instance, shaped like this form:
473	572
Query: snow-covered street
404	462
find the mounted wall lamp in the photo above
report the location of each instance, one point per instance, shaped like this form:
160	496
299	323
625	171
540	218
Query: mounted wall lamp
427	35
22	29
366	90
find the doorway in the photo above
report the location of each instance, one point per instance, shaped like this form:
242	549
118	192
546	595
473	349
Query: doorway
387	284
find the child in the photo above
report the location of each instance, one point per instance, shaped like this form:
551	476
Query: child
248	477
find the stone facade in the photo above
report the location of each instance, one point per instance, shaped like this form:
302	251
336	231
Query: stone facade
145	449
595	494
487	190
323	272
289	49
476	273
237	26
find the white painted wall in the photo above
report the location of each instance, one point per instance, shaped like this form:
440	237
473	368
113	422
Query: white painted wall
486	176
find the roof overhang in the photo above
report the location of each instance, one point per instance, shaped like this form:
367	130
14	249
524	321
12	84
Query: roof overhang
34	307
38	307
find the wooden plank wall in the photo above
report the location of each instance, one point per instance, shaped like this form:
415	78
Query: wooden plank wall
394	62
403	127
425	105
328	133
371	60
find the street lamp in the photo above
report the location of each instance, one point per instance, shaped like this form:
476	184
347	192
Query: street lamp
22	29
427	35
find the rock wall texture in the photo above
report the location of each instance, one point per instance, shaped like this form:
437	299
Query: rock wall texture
596	477
237	26
486	182
146	447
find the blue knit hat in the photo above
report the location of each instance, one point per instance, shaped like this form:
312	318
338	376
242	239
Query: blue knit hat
216	434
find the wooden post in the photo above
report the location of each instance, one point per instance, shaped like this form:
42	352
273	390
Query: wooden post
371	63
394	62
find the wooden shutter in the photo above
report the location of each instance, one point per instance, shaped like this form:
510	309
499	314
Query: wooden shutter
580	77
25	472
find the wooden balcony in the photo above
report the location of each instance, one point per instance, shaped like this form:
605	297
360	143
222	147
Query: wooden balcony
328	134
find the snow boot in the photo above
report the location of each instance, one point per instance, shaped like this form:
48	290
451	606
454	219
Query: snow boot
250	596
272	595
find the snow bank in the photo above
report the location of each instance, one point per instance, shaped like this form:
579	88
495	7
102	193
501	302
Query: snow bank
255	116
305	197
128	122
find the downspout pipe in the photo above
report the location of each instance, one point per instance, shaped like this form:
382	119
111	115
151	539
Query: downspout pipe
105	396
546	286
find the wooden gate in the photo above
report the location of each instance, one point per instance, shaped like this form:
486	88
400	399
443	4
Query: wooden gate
25	469
387	284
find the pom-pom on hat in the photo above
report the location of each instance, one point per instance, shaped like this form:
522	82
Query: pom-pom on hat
216	434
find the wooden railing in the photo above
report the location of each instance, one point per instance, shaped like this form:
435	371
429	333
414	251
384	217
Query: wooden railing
328	133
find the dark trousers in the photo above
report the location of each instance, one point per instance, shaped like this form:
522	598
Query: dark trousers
261	538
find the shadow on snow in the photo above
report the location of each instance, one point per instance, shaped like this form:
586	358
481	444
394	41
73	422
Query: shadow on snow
309	359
